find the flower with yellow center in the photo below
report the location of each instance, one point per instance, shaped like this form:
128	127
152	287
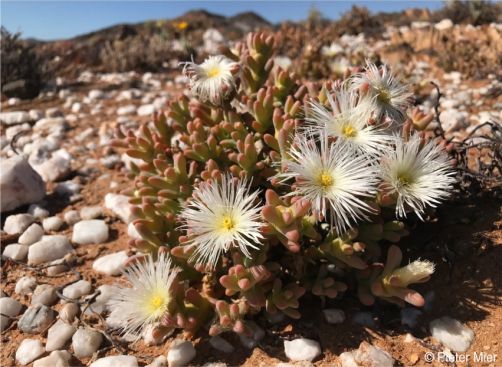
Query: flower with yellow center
419	176
333	177
212	81
220	216
182	25
144	303
391	97
348	121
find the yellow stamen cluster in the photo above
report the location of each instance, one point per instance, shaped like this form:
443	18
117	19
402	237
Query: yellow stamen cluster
227	223
325	179
213	72
156	303
383	96
348	131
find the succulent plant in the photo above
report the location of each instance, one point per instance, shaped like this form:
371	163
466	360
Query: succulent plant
258	206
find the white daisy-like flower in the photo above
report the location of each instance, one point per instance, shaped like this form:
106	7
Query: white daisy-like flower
391	97
349	122
419	176
333	178
222	215
213	80
144	303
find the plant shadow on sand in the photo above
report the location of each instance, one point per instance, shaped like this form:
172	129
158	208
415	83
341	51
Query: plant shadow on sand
466	245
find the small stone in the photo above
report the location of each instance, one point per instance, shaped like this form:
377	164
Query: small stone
90	231
91	212
71	217
132	231
16	251
31	235
364	318
334	315
251	341
68	312
15	224
28	351
453	120
444	25
85	342
100	304
181	352
218	343
414	358
302	349
126	110
52	224
58	334
77	289
152	337
111	264
68	188
20	184
116	361
14	117
119	206
366	356
409	316
38	211
9	308
55	168
25	285
36	319
452	333
56	267
57	358
49	248
146	110
408	338
96	94
160	361
44	294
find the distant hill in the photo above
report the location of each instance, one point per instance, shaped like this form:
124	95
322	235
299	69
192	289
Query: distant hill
144	45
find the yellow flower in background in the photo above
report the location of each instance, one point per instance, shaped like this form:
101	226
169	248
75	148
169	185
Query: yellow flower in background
181	25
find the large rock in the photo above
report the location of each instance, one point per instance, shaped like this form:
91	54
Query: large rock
20	184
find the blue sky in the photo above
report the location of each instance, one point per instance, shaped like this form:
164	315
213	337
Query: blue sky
64	19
